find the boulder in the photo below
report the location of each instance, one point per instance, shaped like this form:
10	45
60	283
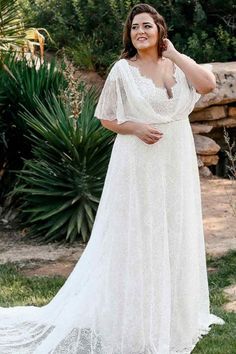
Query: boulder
210	113
209	160
204	171
205	145
232	112
228	122
201	128
199	162
225	92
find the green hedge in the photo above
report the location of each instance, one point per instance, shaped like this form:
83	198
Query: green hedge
92	30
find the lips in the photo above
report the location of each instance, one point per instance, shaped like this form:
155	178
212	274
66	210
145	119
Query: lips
141	38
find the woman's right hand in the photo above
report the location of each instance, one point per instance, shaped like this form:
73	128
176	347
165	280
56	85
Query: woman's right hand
147	133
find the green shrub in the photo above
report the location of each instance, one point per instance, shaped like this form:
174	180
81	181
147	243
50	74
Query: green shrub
82	54
219	46
94	28
61	186
57	15
16	94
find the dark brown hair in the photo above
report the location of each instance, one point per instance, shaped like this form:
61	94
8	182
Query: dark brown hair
129	50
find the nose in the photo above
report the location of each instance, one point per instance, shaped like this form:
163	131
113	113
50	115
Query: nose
141	29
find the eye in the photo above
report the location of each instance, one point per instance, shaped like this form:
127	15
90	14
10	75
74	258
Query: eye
148	26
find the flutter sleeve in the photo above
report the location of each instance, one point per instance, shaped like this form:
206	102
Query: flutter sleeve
195	95
110	105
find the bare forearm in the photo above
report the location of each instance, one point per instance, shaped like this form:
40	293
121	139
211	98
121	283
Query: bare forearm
201	78
124	128
143	131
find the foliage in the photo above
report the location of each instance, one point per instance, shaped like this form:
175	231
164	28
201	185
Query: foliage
58	17
17	92
219	46
82	53
93	29
50	135
62	184
11	27
13	34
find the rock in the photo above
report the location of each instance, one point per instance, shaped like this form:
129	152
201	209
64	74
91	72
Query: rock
232	112
204	171
209	113
205	145
209	160
199	162
228	122
225	91
201	128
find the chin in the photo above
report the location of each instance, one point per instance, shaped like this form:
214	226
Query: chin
142	45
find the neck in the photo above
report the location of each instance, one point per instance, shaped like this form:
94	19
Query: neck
149	55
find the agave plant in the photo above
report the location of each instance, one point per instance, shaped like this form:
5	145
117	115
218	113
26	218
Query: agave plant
28	81
17	92
13	34
12	31
61	186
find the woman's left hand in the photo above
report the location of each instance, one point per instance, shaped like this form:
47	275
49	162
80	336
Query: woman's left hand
168	48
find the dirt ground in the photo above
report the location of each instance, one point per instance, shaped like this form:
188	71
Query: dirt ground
219	215
219	220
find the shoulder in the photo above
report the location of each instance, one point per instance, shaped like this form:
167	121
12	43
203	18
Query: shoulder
114	69
118	63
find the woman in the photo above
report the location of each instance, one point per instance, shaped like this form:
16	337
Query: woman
140	286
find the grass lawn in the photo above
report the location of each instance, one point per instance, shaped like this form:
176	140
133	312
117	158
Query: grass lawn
16	289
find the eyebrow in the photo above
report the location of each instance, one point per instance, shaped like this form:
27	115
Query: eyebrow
144	23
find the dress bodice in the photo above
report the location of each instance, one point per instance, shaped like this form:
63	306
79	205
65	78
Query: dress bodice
158	97
130	96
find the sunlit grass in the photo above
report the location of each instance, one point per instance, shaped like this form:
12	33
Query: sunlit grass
16	289
221	339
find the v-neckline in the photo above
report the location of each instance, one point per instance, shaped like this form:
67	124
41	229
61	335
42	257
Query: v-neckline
163	88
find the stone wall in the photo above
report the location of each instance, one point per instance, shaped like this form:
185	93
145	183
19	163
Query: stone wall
212	112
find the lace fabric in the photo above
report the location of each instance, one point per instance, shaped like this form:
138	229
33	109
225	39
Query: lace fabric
133	97
140	286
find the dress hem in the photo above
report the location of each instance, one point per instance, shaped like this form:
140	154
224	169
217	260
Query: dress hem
203	331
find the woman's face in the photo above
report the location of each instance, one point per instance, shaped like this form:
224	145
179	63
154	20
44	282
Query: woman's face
144	32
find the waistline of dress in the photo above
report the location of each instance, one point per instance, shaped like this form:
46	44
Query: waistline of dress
171	121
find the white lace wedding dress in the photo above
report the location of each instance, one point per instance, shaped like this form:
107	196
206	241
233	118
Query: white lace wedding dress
140	286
